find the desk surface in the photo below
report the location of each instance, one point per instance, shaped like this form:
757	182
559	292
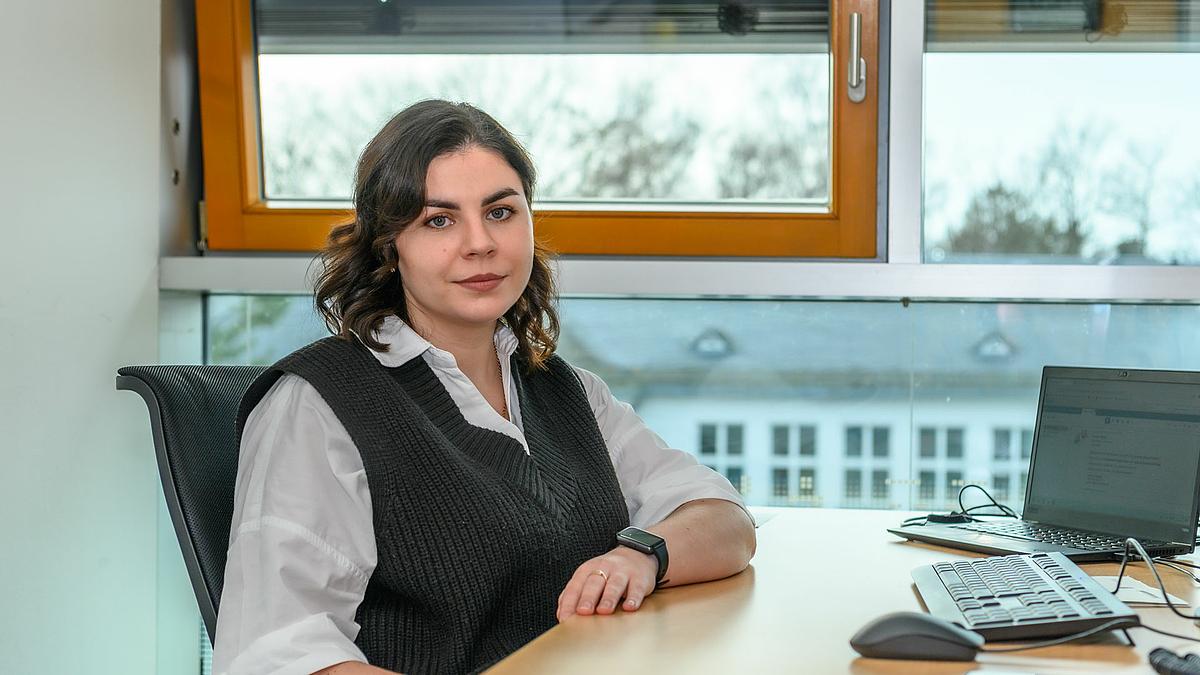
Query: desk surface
795	608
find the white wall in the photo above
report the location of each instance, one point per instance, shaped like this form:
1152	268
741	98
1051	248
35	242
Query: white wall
79	196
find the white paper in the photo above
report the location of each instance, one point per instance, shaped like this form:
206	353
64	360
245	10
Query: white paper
1134	592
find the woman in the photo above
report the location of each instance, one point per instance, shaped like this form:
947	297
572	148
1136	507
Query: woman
432	488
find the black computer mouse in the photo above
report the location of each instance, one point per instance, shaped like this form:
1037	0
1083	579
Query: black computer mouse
913	635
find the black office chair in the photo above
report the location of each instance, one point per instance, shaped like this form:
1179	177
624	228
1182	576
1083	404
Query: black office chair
192	415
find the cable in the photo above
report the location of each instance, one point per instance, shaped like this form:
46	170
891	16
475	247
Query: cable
1004	510
1169	633
1149	561
1115	623
1184	563
963	514
1175	566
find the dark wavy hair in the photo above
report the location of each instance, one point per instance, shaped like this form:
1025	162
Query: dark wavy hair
357	288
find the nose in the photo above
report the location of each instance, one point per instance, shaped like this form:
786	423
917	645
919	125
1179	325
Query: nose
477	238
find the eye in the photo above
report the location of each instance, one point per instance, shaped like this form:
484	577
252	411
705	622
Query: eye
500	213
438	222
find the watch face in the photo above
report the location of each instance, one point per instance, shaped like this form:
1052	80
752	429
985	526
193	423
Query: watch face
644	538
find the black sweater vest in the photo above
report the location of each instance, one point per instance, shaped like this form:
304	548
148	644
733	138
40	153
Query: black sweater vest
475	538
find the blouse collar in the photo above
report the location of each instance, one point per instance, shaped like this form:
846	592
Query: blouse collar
404	344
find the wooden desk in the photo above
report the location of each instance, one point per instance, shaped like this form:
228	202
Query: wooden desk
795	608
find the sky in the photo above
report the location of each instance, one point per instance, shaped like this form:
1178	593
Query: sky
988	116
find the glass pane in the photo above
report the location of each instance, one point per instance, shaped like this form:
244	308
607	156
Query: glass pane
780	434
918	373
1061	132
808	440
879	441
679	104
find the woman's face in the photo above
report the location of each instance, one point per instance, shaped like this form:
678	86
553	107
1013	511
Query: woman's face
468	256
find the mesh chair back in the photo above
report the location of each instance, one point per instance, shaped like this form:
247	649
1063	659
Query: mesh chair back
193	410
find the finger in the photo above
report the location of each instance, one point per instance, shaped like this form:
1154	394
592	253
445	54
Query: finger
613	590
592	587
569	598
634	595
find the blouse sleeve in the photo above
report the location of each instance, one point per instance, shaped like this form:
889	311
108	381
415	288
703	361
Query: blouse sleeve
302	544
655	478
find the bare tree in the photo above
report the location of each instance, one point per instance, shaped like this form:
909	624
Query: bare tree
1001	219
1069	188
627	157
1131	191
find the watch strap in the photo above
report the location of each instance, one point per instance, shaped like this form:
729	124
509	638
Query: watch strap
650	544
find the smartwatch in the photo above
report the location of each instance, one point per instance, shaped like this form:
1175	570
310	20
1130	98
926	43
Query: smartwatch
650	544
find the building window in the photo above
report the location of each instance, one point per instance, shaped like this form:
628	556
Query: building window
808	440
808	482
1026	443
927	442
879	441
779	482
1021	485
853	484
879	484
779	437
1001	440
927	485
733	439
734	474
708	439
954	443
854	439
1000	486
954	483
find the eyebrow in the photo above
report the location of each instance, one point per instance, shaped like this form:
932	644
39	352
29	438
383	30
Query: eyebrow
453	206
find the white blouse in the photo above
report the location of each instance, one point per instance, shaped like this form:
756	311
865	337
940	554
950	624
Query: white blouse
302	544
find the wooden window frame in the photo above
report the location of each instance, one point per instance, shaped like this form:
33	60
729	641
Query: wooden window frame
238	218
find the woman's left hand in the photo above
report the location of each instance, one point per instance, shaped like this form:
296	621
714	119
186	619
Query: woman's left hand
600	583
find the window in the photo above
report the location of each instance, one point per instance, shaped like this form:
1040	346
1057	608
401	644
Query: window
879	441
853	483
808	482
1024	166
779	482
808	440
879	484
1001	440
954	483
1026	443
1000	486
802	155
954	443
927	442
779	438
734	474
733	439
927	486
708	439
854	441
901	367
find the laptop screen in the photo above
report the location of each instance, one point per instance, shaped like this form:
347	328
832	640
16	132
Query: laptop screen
1117	451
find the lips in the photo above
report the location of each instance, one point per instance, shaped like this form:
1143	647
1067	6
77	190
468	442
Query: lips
481	282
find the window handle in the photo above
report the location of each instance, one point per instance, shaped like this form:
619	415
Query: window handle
857	70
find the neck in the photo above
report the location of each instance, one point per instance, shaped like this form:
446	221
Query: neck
473	347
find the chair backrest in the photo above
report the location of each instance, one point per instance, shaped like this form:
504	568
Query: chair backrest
193	410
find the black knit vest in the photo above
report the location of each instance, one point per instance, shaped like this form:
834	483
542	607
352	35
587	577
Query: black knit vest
475	538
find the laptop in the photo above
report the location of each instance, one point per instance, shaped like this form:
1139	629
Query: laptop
1116	454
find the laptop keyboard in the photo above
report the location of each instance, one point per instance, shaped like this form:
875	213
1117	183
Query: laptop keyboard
1087	541
1017	597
